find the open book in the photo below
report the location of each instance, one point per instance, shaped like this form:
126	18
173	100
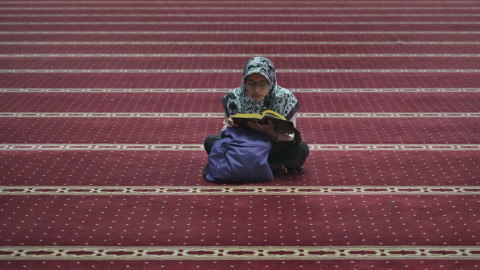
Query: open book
281	124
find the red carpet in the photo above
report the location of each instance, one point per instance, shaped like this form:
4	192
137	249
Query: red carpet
105	106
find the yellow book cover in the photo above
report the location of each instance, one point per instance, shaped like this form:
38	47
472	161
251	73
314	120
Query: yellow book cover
281	124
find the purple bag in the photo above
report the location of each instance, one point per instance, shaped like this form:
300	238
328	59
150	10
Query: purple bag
240	156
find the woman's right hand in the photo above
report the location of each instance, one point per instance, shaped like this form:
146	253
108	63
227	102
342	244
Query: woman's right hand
230	122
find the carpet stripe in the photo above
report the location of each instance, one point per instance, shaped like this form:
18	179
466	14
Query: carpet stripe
235	43
240	190
387	115
219	15
229	2
237	23
221	115
211	71
238	252
293	55
224	90
270	8
216	80
238	32
199	147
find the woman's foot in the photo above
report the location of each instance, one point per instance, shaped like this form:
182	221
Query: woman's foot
279	169
296	170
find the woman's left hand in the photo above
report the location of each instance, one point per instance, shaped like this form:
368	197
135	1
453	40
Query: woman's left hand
267	128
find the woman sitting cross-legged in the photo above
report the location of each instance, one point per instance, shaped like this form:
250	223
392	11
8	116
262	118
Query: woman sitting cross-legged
258	93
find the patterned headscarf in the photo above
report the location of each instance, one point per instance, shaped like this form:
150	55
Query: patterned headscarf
278	98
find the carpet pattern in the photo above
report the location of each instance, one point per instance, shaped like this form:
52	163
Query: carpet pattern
105	106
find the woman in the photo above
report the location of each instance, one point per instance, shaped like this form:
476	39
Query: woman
258	93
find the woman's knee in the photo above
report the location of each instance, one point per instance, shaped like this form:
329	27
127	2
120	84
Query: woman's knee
209	142
302	154
304	149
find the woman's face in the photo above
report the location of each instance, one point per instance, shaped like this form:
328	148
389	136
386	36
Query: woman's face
257	86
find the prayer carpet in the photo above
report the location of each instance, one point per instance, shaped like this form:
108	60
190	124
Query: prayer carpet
105	106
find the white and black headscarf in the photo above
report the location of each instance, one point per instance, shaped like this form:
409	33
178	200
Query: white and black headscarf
278	98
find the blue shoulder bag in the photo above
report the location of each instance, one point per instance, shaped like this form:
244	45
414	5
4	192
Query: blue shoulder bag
241	155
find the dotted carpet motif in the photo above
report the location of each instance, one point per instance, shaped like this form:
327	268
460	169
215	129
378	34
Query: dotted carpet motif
104	106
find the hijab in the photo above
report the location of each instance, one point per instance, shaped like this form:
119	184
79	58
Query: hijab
278	98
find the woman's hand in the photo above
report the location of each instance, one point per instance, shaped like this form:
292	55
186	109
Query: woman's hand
267	128
230	123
